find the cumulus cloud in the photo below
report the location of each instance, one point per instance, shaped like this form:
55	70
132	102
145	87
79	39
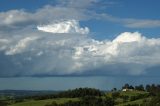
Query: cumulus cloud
42	54
43	15
20	46
30	45
69	26
67	10
9	17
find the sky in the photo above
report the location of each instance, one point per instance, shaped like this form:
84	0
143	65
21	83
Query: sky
78	39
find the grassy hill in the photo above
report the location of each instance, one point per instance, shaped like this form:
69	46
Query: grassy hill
129	97
44	102
119	100
87	97
138	102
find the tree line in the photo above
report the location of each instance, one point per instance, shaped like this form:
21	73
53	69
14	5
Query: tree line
151	88
87	101
75	93
96	97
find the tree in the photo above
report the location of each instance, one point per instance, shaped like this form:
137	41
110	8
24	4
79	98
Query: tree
114	89
148	88
115	95
109	102
131	87
125	98
126	86
80	92
3	103
155	101
139	88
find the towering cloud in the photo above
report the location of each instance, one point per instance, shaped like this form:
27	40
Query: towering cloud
40	54
41	43
69	26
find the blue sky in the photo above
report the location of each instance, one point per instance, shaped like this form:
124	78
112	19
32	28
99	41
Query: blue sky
29	5
70	38
134	9
64	83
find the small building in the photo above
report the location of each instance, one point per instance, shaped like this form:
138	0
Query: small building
126	89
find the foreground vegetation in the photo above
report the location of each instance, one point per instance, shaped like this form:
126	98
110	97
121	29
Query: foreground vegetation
130	96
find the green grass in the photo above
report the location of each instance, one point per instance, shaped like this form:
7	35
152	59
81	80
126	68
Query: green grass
44	102
132	93
128	93
5	97
119	100
139	101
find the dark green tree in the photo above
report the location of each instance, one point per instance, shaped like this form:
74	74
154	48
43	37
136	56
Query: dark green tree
115	95
126	86
139	88
2	103
148	88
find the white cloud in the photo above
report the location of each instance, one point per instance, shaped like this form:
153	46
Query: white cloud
81	4
3	43
20	46
43	54
69	26
141	23
21	18
67	10
9	17
128	37
29	51
130	22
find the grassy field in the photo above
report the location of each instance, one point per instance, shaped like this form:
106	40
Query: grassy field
139	102
44	102
119	100
130	94
133	93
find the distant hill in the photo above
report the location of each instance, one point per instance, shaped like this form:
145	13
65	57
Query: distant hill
21	93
